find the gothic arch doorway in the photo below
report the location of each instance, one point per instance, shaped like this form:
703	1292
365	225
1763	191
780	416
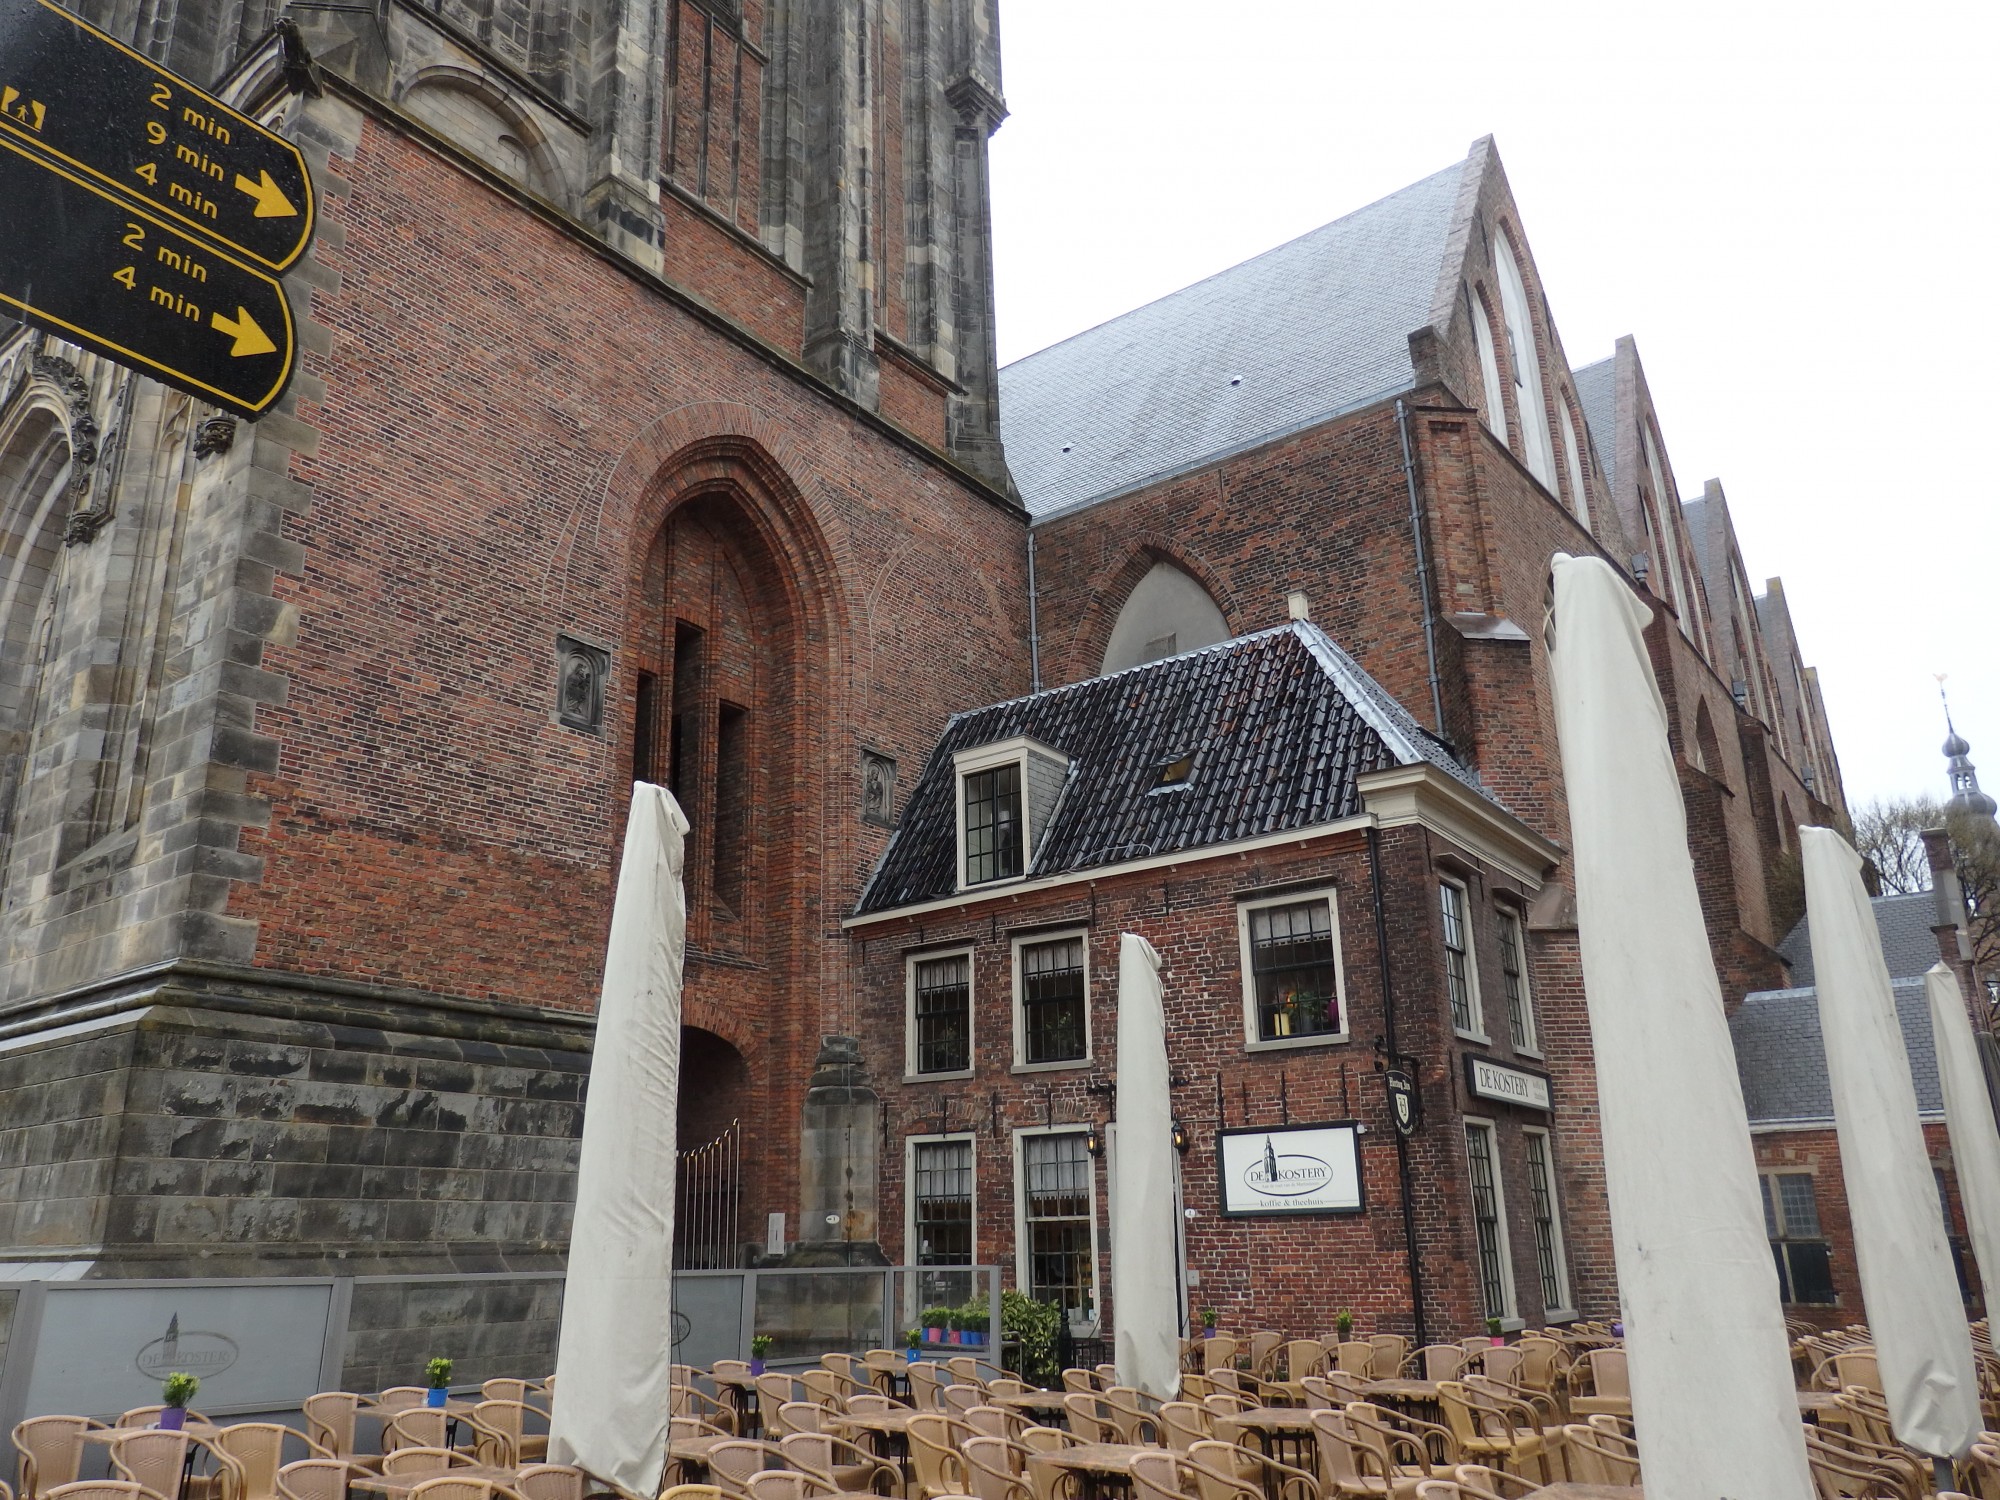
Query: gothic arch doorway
708	1190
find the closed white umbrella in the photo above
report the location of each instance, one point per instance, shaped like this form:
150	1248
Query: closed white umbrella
614	1360
1908	1288
1968	1112
1709	1360
1146	1299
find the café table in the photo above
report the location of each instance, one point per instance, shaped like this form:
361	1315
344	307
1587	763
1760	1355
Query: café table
1569	1489
741	1391
1823	1409
202	1434
1045	1407
398	1485
1283	1432
1419	1398
691	1453
1104	1469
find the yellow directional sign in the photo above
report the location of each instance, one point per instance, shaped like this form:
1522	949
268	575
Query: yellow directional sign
71	93
99	271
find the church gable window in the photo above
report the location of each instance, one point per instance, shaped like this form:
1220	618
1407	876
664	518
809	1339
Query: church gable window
1524	362
1167	613
1493	407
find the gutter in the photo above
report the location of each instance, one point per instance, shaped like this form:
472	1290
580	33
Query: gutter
1423	569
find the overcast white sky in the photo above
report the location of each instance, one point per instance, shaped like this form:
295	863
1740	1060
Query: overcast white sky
1788	205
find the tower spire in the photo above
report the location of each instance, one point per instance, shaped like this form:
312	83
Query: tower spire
1966	797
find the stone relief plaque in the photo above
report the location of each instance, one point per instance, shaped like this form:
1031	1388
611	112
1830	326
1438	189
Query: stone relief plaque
878	789
581	670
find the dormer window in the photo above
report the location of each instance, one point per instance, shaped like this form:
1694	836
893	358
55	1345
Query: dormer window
993	824
1006	793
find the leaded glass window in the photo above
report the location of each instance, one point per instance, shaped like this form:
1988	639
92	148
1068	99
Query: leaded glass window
941	1013
1791	1220
1460	982
941	1199
1061	1203
1548	1234
1514	975
1495	1276
1052	1001
1292	968
993	823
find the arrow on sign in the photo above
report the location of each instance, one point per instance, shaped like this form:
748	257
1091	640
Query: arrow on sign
267	195
250	339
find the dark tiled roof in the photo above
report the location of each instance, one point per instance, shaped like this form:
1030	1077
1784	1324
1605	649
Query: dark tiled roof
1909	946
1781	1057
1597	394
1316	327
1280	724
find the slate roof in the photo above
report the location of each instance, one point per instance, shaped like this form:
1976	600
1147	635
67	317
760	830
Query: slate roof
1280	724
1296	335
1597	394
1908	944
1781	1057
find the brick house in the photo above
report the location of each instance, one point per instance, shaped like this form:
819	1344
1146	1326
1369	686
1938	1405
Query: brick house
1334	895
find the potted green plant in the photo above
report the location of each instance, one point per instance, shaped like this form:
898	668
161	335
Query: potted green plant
175	1393
1208	1321
937	1325
438	1373
973	1319
760	1349
913	1339
1343	1324
1493	1331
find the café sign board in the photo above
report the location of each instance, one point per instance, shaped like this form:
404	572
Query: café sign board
1491	1080
1292	1169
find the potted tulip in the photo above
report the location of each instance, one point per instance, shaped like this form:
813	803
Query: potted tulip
760	1349
1493	1331
178	1390
1343	1324
913	1339
937	1325
438	1373
1208	1321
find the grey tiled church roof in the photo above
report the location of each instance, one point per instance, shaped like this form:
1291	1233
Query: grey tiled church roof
1908	945
1280	724
1316	327
1597	394
1781	1057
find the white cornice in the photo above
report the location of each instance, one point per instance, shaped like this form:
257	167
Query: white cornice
1424	795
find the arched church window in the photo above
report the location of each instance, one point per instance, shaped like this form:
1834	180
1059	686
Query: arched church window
1524	362
1494	411
34	484
1167	613
1579	497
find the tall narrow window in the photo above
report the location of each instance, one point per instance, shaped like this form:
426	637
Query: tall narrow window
1060	1203
1791	1219
1461	980
1496	1275
684	724
1495	412
732	802
1525	364
941	1013
645	715
1053	998
1292	969
1514	974
1548	1228
1579	497
941	1203
993	823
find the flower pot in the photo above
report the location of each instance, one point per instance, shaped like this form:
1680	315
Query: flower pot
913	1355
171	1417
935	1336
975	1336
756	1365
1499	1340
437	1396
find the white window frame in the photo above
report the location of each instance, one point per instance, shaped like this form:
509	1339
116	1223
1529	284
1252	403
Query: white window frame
1022	1272
910	1073
1560	1248
910	1144
1502	915
1029	940
1017	750
1509	1295
1495	416
1473	997
1251	1041
1573	459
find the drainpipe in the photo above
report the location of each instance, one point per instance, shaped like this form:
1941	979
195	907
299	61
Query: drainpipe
1423	568
1034	620
1395	1057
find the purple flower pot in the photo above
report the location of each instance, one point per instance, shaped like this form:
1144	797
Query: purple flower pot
756	1366
437	1396
171	1417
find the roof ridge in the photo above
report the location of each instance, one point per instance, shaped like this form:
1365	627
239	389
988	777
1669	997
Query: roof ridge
1230	270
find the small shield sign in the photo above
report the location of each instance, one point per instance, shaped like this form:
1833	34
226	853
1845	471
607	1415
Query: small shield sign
1402	1101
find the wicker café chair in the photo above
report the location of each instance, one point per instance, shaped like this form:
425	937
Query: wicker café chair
551	1482
97	1489
152	1459
1156	1475
259	1451
333	1419
451	1487
398	1397
424	1460
1391	1349
316	1479
995	1469
507	1443
51	1450
838	1465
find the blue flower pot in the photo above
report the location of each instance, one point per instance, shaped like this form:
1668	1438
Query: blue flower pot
437	1396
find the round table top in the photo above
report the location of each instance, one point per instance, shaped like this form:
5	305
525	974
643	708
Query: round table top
1094	1458
400	1484
875	1421
697	1449
207	1432
1030	1401
1274	1418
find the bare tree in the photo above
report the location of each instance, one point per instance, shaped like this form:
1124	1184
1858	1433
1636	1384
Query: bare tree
1888	833
1975	847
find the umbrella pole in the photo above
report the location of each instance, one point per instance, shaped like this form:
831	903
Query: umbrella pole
1941	1474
